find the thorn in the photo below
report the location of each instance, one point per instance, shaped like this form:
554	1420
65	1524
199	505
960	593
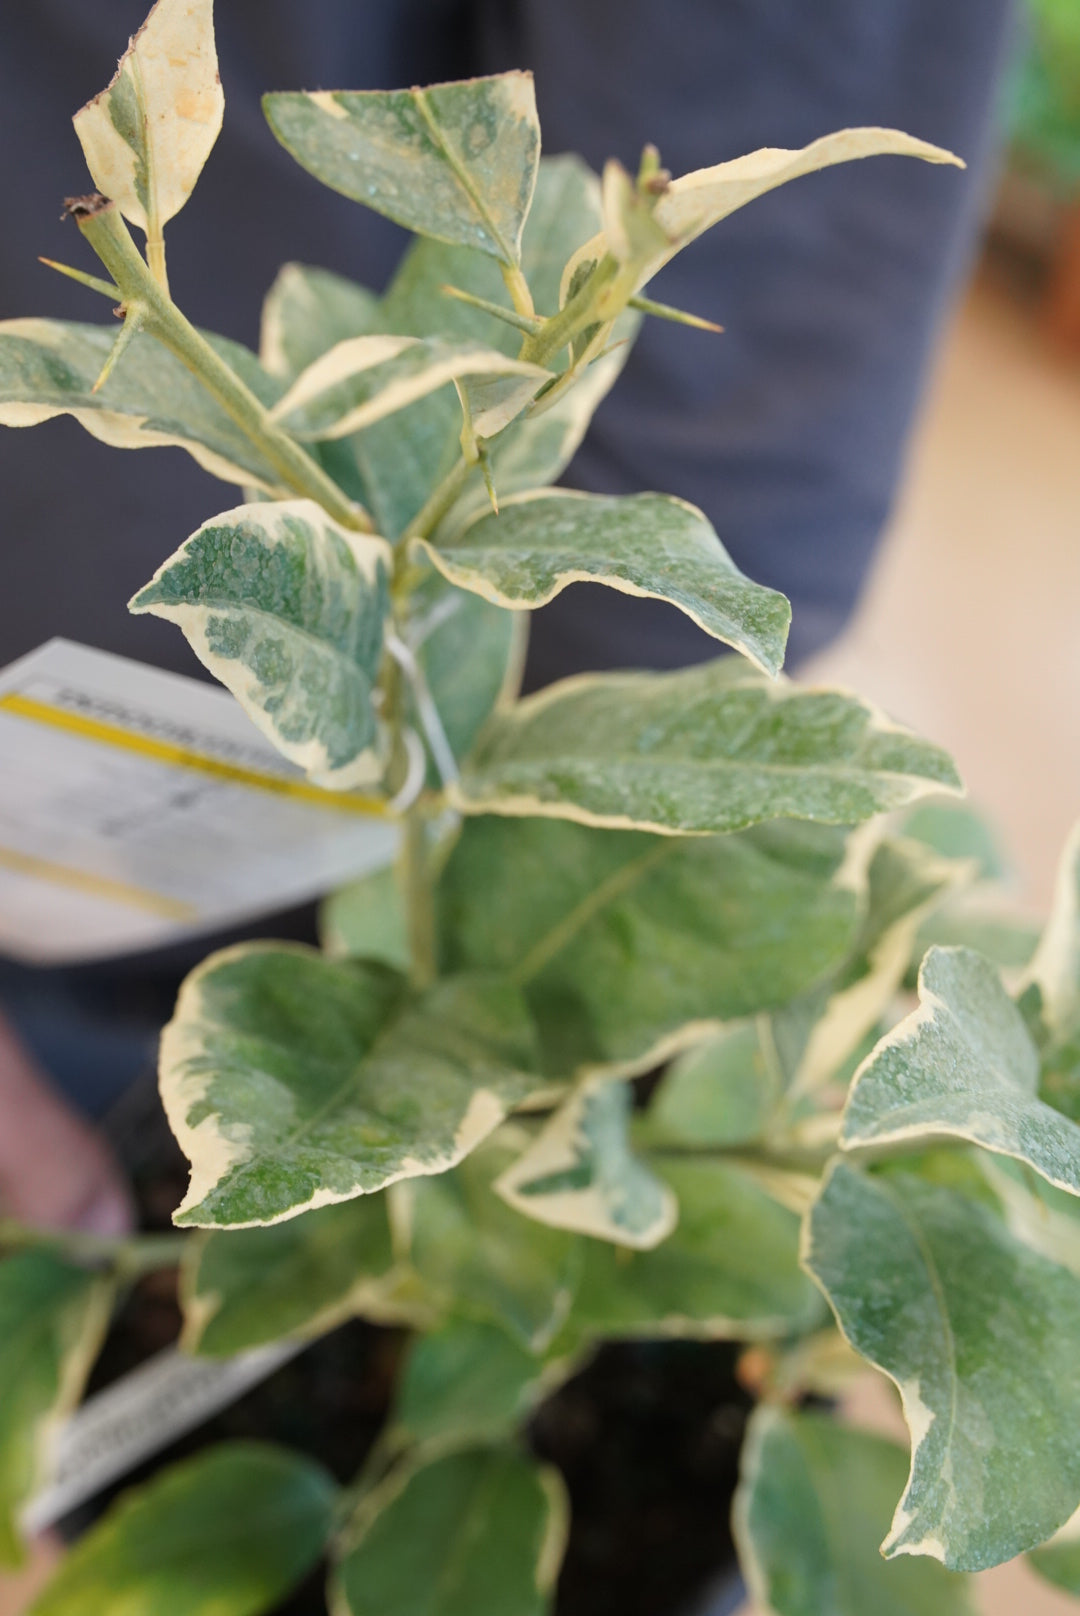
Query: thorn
106	288
529	323
664	311
124	336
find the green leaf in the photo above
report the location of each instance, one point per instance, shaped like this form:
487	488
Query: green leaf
729	1271
364	379
1059	1563
962	1066
147	136
454	161
307	312
49	367
366	920
979	1333
288	610
227	1533
478	1533
293	1281
630	947
642	544
53	1317
482	1258
400	459
710	748
471	655
720	1093
580	1173
1001	934
813	1502
292	1081
466	1382
905	881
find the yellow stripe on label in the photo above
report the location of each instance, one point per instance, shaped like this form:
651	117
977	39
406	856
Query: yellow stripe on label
93	729
96	886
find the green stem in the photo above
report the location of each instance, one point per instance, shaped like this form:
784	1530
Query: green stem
437	504
419	898
102	225
130	1256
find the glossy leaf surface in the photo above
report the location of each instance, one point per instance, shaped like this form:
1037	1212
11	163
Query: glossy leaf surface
641	544
813	1503
454	161
225	1534
292	1081
288	610
711	748
626	943
979	1333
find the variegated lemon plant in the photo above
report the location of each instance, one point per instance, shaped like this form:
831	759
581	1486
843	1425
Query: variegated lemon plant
433	1121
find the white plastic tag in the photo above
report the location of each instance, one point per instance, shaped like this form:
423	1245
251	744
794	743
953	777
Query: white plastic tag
137	807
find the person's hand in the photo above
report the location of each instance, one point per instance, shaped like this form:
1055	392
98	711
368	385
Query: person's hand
55	1170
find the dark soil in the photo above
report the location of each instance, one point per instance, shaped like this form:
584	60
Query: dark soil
647	1437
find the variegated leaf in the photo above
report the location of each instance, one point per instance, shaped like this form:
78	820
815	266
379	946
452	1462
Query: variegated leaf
642	544
814	1500
401	458
729	1271
292	1081
581	1173
227	1533
367	920
480	1531
288	610
631	947
905	881
364	379
53	1316
695	202
979	1333
962	1066
248	1287
711	748
1055	969
464	1383
471	656
147	136
720	1093
479	1258
454	161
150	400
307	312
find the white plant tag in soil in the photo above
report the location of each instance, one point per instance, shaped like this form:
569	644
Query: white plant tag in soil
138	806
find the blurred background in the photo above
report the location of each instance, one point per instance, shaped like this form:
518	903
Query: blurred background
970	626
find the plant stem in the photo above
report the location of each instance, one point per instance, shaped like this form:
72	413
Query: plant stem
419	898
130	1256
102	225
437	504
